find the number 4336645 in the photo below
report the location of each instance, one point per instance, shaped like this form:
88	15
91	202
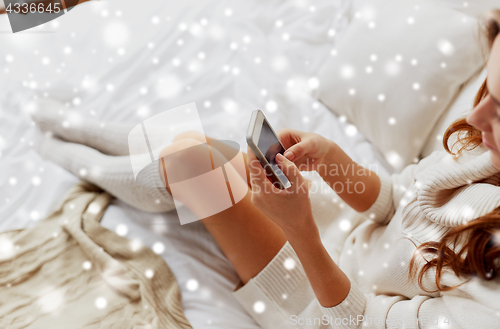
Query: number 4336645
25	8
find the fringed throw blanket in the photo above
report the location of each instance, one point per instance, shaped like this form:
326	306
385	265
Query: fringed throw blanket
70	272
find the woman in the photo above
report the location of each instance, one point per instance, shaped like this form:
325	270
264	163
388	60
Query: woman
426	258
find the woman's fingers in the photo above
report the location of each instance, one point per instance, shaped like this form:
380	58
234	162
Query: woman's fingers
109	138
297	151
289	137
291	172
297	143
258	175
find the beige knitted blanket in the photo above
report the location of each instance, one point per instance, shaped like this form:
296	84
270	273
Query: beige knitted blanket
69	272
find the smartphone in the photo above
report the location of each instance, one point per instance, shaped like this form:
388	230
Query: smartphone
265	144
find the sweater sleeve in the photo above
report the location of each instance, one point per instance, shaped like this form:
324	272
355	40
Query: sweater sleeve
281	297
394	187
453	309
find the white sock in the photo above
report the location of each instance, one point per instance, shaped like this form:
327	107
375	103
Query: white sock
108	138
112	173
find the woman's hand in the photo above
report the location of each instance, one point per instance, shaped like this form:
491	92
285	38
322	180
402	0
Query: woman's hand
356	185
289	208
307	150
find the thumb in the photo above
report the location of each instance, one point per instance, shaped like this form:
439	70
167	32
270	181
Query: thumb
290	170
297	151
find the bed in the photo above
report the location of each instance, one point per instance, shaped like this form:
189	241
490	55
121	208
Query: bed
116	61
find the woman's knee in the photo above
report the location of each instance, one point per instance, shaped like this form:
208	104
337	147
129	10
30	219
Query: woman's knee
179	145
191	135
185	158
179	159
188	158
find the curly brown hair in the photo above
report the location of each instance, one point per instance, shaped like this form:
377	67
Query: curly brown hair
479	254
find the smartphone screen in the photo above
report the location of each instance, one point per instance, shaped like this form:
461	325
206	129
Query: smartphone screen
270	146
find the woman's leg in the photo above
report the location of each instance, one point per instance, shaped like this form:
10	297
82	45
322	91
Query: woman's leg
248	238
226	150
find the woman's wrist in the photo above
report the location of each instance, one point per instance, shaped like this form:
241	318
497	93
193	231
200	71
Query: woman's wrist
307	230
330	158
355	184
330	284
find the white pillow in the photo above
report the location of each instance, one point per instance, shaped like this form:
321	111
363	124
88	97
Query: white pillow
396	69
460	107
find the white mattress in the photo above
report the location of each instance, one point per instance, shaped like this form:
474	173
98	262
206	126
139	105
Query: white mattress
98	57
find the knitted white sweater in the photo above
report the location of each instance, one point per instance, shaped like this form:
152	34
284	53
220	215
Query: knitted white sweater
420	204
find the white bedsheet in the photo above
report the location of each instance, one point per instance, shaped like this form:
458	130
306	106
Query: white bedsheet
107	59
